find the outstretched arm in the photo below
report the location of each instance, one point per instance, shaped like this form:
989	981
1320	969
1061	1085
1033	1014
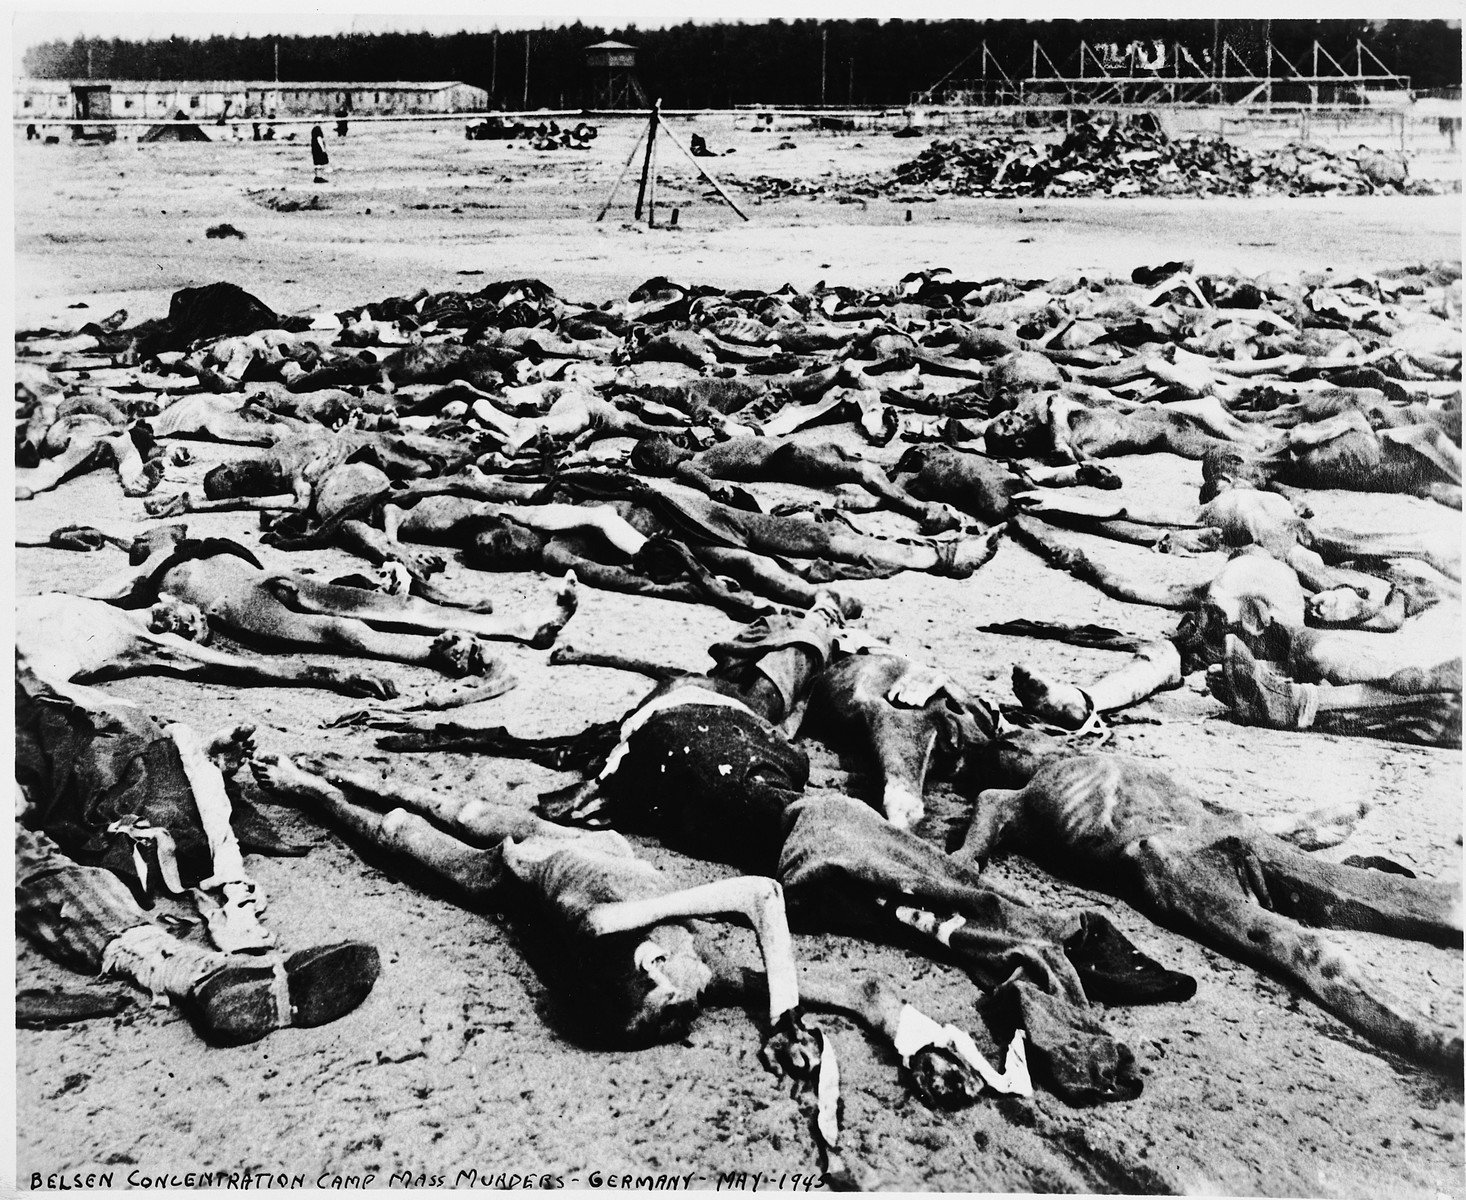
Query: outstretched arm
719	490
995	811
178	503
1106	508
755	898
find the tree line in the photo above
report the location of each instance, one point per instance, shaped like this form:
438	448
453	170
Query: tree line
862	62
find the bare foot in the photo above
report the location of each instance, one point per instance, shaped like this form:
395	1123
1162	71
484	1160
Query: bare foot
232	747
276	773
1060	704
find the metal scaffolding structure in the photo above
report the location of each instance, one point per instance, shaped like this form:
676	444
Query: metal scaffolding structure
1159	73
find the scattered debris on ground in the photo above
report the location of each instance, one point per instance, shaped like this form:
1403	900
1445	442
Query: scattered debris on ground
315	202
1102	157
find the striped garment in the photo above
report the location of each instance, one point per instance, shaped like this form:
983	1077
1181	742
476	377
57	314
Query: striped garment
69	911
1428	720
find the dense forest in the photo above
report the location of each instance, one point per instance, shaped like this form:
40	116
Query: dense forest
717	65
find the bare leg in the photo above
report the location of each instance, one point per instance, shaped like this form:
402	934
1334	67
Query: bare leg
1200	885
819	466
568	656
486	822
306	595
453	651
1112	583
184	502
1443	553
560	555
229	899
377	546
230	428
81	455
166	653
1072	475
472	872
1155	667
765	578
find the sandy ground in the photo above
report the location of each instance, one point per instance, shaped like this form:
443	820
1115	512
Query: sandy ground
455	1064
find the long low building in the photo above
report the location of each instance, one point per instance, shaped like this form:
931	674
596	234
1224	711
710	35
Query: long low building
204	100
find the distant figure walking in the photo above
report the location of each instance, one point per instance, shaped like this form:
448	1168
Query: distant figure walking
318	152
341	114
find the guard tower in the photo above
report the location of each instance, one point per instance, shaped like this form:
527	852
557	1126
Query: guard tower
612	73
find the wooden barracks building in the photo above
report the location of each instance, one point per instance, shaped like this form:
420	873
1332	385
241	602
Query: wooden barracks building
205	100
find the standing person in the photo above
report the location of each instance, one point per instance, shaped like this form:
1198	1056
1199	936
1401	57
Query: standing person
318	152
342	110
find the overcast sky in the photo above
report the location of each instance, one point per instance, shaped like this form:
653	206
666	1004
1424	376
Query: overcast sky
35	22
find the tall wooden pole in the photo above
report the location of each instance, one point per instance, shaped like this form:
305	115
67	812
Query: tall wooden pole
646	162
824	43
651	183
525	103
1269	36
630	158
494	67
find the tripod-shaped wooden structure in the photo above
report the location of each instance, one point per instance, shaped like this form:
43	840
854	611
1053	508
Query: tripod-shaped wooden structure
646	193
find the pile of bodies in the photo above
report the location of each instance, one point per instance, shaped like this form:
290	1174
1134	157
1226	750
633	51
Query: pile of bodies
1099	157
544	136
624	446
